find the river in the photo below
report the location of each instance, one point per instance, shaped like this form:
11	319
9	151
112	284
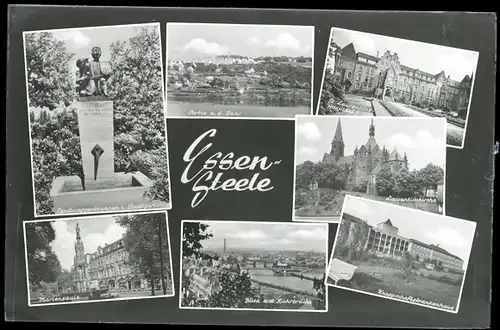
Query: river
292	282
233	110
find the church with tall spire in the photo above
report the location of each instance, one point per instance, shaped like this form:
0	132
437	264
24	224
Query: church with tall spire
80	264
365	162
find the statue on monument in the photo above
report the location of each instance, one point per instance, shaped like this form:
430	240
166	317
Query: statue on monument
77	231
93	75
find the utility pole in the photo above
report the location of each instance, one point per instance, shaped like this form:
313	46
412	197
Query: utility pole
161	258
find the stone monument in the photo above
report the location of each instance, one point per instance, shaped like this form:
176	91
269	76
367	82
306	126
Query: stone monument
101	187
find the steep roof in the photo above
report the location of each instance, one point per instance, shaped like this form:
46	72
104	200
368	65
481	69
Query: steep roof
349	51
338	132
368	56
345	160
395	155
371	143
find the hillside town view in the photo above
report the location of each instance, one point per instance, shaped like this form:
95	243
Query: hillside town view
226	276
209	80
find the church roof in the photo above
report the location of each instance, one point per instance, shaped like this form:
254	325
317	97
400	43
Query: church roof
395	155
371	143
345	160
349	51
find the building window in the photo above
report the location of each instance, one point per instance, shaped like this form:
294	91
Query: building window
359	77
357	85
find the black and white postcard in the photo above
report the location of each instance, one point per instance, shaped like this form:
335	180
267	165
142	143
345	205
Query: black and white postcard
376	75
239	70
97	119
265	266
95	259
395	160
401	254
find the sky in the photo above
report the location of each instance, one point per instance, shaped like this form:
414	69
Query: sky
81	40
268	237
423	140
454	235
418	55
94	232
197	41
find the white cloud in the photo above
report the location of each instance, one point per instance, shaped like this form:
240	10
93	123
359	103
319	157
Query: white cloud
357	208
202	46
74	38
302	234
448	237
254	41
309	151
423	140
457	64
64	243
251	234
363	43
111	234
309	131
284	41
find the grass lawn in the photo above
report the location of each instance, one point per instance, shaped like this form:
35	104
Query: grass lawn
370	278
334	205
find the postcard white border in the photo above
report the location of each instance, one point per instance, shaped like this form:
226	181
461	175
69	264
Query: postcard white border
28	288
36	215
423	213
255	309
338	218
415	41
313	30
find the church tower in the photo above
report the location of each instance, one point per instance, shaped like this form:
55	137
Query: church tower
338	143
79	263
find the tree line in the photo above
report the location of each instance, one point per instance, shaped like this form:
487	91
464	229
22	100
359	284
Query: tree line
404	184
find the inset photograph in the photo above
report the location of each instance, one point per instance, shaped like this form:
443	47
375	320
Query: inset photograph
401	254
395	160
239	70
374	75
239	265
101	258
97	120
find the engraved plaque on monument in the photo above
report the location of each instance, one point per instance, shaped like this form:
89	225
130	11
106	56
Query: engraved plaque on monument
95	121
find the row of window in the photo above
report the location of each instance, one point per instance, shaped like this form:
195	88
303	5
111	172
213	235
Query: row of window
109	259
119	270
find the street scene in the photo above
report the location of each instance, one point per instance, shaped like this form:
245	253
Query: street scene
252	265
373	75
401	254
96	259
231	70
400	161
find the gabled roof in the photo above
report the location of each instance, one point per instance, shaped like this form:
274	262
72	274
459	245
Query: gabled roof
349	51
395	155
369	57
371	144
